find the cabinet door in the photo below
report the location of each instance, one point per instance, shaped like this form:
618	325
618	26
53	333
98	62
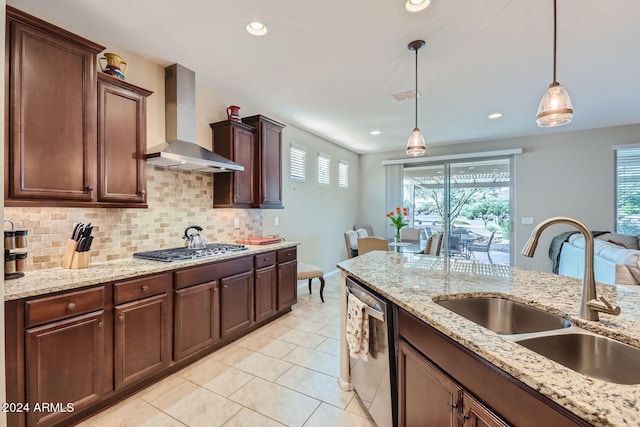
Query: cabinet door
52	113
236	303
426	397
197	319
65	365
244	154
475	414
122	141
287	284
142	339
266	287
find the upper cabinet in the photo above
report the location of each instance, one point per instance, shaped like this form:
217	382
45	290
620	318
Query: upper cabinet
52	153
256	144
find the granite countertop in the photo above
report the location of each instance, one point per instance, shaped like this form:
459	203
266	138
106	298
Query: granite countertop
414	281
41	282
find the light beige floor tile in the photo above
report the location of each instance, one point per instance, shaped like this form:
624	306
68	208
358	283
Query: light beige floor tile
81	425
331	346
204	372
315	360
356	407
248	418
268	345
131	412
302	338
276	402
154	391
228	382
327	415
330	331
317	385
276	331
300	322
258	364
224	352
196	406
162	420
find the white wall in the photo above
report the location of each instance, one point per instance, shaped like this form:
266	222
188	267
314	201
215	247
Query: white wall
3	417
562	174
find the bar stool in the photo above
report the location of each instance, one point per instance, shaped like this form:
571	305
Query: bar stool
310	272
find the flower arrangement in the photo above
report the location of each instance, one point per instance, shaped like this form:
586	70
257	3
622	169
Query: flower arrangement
398	219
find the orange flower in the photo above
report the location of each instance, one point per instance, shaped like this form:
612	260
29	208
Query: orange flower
398	210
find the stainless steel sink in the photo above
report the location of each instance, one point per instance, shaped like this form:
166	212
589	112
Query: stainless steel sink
591	355
504	316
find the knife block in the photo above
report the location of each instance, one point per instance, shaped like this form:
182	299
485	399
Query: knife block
73	259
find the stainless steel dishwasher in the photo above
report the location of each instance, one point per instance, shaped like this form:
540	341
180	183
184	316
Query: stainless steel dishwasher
372	379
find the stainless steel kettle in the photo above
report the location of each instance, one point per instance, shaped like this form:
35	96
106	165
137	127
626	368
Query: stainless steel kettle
195	240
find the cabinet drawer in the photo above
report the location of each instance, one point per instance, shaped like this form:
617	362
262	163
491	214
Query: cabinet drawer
287	255
132	290
266	259
211	272
48	309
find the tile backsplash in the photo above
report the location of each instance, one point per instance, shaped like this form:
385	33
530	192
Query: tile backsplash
176	199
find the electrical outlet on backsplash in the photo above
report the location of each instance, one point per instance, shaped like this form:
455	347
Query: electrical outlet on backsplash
176	199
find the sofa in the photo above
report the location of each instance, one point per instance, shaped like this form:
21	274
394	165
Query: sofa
616	258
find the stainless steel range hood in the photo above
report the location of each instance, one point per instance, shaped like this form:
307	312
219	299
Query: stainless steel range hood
181	151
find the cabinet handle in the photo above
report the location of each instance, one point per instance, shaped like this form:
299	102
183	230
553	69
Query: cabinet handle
88	189
145	288
71	306
100	324
452	405
121	317
463	418
142	192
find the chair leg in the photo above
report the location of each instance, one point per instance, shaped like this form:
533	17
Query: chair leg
489	256
310	286
321	288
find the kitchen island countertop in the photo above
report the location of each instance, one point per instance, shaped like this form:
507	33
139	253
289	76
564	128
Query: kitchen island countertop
413	282
42	282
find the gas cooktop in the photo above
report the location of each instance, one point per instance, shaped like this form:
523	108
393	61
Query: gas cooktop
184	254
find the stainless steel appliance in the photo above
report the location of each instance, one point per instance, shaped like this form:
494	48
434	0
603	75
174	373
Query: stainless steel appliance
184	254
194	240
372	379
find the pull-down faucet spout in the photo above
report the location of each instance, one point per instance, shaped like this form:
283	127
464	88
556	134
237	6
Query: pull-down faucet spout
589	303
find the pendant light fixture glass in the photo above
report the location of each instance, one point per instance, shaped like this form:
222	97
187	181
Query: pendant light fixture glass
555	107
415	145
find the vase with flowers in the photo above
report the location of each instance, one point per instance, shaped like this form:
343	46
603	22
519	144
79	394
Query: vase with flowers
398	220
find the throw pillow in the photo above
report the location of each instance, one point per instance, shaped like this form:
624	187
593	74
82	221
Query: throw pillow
616	243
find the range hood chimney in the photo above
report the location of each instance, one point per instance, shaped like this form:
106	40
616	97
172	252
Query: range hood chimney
181	150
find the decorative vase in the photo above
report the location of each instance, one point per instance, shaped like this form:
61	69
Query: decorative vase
233	113
397	236
114	64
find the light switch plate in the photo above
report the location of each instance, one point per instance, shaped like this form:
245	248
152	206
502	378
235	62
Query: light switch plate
236	222
527	220
276	220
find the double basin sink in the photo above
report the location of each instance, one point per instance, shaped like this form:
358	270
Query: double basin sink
592	355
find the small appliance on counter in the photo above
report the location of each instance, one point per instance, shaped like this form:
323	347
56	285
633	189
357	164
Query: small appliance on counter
76	253
15	254
194	240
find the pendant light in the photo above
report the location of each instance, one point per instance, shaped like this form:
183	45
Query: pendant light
415	145
555	107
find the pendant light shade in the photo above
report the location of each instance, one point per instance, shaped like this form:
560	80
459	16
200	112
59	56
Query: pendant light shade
555	107
416	145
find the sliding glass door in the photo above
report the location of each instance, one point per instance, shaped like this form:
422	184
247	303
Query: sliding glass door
470	202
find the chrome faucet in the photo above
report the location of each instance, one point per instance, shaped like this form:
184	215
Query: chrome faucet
590	304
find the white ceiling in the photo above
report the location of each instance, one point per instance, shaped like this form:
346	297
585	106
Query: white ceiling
331	66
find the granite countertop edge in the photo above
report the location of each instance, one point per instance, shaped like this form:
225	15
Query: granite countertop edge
405	281
43	282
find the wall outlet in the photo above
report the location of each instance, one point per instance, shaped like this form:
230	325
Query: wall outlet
276	220
527	220
236	222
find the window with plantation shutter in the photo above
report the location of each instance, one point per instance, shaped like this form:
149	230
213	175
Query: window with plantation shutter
297	167
324	165
627	183
343	174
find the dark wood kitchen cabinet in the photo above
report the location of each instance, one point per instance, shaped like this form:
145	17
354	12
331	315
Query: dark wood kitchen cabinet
440	382
266	286
287	278
122	141
142	328
236	303
51	127
235	141
268	164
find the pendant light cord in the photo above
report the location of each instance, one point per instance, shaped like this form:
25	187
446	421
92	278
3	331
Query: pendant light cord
555	42
417	88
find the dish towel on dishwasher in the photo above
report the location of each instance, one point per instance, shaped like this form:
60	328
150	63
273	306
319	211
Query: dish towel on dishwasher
357	328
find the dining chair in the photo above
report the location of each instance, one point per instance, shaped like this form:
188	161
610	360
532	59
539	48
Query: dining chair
410	234
362	232
434	244
368	244
482	245
368	229
351	243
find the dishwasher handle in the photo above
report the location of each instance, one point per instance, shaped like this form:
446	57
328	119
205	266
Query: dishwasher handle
371	311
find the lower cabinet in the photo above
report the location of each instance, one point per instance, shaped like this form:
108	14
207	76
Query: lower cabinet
236	303
63	366
266	292
287	278
428	397
196	323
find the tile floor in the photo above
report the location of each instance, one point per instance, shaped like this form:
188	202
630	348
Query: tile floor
284	373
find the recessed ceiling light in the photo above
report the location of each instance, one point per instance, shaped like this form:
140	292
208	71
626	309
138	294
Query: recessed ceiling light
375	132
494	116
256	28
417	5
